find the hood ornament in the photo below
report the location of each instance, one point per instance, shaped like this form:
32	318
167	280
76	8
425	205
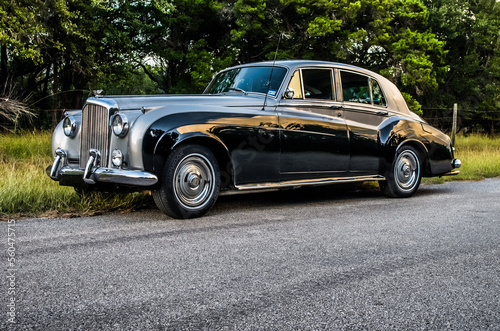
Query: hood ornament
97	93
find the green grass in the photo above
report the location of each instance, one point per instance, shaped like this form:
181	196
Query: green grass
26	190
480	156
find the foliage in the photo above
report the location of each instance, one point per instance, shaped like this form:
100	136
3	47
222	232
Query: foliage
390	36
437	52
413	104
471	30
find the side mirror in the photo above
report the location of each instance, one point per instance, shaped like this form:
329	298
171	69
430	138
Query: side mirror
289	93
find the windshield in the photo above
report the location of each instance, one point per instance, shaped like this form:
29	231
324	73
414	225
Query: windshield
249	79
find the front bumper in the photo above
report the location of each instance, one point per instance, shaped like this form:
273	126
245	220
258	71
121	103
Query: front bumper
93	174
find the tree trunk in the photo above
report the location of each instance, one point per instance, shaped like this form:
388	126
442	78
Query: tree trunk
55	86
3	69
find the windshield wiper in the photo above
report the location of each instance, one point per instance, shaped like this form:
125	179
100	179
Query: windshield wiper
237	89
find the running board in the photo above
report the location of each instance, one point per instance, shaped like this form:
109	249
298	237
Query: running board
296	183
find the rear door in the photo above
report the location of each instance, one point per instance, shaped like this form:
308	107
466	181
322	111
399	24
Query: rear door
365	109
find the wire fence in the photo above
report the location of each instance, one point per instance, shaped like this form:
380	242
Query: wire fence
468	120
441	118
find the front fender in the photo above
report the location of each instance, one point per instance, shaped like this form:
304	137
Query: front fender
167	133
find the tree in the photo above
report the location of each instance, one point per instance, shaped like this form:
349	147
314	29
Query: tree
19	35
179	44
389	36
52	47
437	52
471	30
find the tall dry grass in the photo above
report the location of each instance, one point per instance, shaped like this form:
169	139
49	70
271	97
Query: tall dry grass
26	190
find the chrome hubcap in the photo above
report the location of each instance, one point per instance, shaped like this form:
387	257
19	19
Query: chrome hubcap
193	181
407	170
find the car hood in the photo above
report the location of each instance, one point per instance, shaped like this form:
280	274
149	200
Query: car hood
151	102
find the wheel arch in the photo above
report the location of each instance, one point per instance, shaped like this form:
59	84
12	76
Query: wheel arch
421	148
393	147
173	140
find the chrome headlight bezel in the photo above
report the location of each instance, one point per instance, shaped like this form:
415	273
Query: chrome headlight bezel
69	126
119	125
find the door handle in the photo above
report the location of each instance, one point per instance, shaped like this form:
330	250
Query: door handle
382	113
336	107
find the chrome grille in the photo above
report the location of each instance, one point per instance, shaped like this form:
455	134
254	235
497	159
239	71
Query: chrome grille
95	133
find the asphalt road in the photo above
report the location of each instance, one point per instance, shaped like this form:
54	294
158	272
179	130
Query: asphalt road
315	259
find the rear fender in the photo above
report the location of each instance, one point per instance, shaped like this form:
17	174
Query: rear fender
405	133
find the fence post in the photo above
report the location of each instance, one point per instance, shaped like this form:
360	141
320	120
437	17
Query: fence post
454	128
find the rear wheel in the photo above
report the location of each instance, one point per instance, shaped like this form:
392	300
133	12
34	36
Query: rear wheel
190	183
403	179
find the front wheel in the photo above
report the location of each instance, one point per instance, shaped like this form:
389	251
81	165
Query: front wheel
403	179
190	183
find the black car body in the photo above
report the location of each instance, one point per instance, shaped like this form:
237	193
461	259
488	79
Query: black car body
260	125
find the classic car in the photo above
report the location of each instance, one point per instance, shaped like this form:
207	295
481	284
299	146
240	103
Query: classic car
263	125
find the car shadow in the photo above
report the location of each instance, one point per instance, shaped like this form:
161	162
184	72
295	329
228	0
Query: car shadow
310	195
298	196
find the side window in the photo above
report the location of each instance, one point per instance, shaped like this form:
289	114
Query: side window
318	84
361	89
355	88
295	85
378	96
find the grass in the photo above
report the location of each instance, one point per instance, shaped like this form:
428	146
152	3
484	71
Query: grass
27	191
480	156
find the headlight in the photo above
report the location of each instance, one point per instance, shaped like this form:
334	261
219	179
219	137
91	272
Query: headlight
69	126
120	125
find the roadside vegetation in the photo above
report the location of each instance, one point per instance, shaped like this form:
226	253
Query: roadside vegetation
53	54
27	191
480	156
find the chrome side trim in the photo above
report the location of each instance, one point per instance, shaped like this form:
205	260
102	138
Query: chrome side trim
320	181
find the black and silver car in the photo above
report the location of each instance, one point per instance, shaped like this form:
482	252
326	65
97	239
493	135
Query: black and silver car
256	126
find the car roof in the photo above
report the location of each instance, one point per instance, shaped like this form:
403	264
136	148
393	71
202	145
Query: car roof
393	96
301	63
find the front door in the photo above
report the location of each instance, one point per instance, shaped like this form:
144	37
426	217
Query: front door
313	132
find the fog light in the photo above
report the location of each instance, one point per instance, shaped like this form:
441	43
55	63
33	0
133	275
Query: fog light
69	126
457	163
120	125
117	158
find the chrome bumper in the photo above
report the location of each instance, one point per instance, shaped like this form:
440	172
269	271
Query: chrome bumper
92	174
455	164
